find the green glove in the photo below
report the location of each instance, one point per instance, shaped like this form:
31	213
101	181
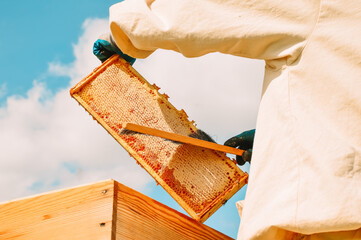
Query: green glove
243	141
105	47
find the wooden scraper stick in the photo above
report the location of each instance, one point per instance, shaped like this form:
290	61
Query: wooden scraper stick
181	138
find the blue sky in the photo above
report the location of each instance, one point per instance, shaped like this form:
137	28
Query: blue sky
49	142
36	32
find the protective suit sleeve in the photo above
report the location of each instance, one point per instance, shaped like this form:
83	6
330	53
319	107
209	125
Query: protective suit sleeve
248	28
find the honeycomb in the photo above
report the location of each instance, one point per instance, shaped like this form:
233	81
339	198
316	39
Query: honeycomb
199	179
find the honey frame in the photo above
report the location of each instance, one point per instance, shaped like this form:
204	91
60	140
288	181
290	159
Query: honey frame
217	202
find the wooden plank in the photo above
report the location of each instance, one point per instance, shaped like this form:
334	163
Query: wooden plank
182	139
141	217
106	210
77	213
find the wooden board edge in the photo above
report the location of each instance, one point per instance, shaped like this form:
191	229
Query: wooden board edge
115	211
105	182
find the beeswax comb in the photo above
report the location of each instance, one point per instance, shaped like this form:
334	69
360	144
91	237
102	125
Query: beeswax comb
199	179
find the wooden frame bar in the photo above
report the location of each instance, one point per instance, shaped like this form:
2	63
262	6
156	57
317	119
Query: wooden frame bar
182	139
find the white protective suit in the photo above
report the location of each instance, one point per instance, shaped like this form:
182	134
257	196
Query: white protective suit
305	175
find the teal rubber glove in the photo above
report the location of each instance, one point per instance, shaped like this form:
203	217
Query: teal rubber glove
243	141
105	47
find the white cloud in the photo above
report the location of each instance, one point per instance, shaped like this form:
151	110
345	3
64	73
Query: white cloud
49	142
59	69
3	90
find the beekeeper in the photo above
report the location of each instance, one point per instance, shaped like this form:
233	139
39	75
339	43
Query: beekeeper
305	176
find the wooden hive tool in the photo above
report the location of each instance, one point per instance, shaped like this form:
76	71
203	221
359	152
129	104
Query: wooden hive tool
142	120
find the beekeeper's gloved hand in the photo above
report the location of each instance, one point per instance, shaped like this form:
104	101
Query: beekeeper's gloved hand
105	47
243	141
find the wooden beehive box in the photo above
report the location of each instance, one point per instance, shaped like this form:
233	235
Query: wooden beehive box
199	179
105	210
